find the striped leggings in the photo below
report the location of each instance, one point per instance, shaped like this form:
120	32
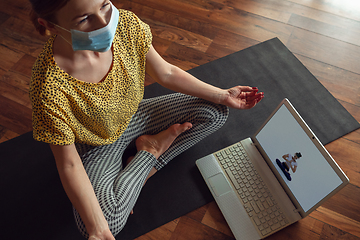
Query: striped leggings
117	187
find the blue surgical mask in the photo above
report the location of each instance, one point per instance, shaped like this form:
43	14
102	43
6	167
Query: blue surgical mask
99	40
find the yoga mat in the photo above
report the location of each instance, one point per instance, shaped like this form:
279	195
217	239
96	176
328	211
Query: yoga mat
35	206
270	66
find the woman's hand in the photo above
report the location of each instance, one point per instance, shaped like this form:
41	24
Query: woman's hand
104	235
241	97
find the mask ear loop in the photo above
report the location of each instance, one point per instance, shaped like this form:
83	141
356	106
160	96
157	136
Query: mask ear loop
62	35
65	40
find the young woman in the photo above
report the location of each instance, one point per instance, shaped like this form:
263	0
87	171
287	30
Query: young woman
87	96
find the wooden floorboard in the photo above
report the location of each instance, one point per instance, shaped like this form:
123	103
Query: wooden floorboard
323	34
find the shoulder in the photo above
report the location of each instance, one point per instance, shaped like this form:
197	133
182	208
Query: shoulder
129	23
46	55
132	32
46	83
44	64
127	16
44	70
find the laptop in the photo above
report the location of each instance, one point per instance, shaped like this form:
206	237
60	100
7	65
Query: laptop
280	175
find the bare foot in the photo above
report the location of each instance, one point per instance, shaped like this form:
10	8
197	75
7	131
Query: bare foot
159	143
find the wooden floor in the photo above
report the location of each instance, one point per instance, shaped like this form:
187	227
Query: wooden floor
323	34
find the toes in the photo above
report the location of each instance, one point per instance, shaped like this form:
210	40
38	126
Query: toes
180	128
186	126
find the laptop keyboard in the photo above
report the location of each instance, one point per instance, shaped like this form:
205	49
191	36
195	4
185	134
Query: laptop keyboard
257	199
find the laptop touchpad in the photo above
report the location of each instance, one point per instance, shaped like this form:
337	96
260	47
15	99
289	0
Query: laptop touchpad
219	184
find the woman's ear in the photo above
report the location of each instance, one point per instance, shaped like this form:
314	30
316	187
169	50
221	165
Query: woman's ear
48	25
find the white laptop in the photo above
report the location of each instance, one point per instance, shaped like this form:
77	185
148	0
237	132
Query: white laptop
279	176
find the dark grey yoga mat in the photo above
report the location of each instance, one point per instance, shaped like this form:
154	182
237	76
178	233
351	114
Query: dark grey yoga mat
34	205
270	66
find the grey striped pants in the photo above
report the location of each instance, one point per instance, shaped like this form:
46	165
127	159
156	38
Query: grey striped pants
117	188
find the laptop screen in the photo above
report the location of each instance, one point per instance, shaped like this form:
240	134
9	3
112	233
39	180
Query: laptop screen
299	162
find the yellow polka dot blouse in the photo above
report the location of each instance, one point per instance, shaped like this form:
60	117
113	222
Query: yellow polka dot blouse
67	110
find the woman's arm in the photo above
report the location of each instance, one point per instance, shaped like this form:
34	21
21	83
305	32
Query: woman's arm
174	78
294	167
80	191
286	156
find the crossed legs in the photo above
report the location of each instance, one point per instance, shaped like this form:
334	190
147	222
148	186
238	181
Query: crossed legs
163	128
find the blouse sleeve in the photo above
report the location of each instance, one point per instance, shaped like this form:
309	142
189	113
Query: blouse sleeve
48	115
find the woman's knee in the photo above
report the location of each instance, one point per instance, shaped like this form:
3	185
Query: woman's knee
214	114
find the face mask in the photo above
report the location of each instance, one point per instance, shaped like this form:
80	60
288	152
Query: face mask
99	40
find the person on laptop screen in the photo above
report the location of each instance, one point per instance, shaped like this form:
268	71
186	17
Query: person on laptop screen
290	163
87	92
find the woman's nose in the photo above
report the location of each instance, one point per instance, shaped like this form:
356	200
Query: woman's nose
102	21
103	18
